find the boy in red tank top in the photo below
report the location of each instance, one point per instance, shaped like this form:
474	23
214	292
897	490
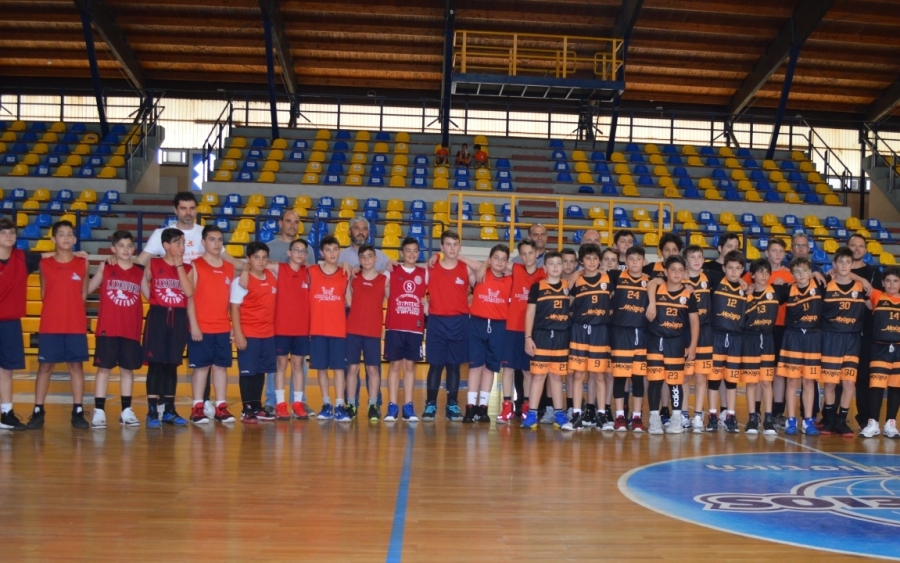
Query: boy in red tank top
253	318
167	286
63	332
365	325
15	265
209	348
292	329
118	332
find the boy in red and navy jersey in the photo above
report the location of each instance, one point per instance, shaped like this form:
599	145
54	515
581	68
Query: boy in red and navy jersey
292	329
118	330
364	327
63	337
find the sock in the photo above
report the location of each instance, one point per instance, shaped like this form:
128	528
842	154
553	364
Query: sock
153	405
39	408
373	401
570	403
698	413
298	396
635	415
170	404
777	408
472	398
576	411
758	406
279	396
609	408
220	404
126	402
100	403
507	398
351	401
676	412
731	412
5	407
484	397
713	412
619	413
654	412
76	409
339	403
768	415
326	400
198	403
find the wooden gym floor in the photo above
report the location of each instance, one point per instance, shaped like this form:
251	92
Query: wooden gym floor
292	491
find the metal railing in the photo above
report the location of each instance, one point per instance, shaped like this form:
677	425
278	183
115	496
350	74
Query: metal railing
882	152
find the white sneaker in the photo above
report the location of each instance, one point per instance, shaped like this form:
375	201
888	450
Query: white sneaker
209	410
99	421
697	424
567	426
127	418
872	429
656	426
609	424
686	421
890	429
675	424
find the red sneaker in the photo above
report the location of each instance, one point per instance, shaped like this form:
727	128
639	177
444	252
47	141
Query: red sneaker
222	414
197	415
299	410
620	425
249	418
637	425
506	413
261	414
525	408
281	412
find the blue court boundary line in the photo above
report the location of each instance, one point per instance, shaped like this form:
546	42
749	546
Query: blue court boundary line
395	546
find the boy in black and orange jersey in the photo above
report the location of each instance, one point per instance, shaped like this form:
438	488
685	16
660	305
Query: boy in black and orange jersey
843	307
728	305
672	312
758	349
628	344
547	337
701	368
885	364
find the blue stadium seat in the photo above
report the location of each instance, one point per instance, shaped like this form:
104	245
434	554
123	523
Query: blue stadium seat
556	144
325	202
873	224
275	211
763	186
608	189
517	234
831	222
645	180
299	144
685	183
70	138
415	230
340	146
675	160
245	176
502	164
640	169
559	155
719	174
632	147
725	184
10	159
338	157
504	186
732	194
43	220
563	177
598	157
19	148
841	234
561	166
85	232
748	219
32	231
884	235
772	197
255	154
670	149
619	213
28	137
55	206
103	150
61	148
712	228
803	188
622	224
64	196
7	205
790	221
251	165
585	190
323	214
713	161
419	182
377	170
461	173
418	205
605	179
342	135
574	212
420	160
259	142
86	172
102	207
373	203
265	236
224	224
17	194
118	129
680	172
382	136
811	198
794	176
705	217
280	200
762	243
707	151
96	161
636	157
41	170
376	181
371	215
787	165
743	152
110	139
296	156
236	200
93	221
750	163
756	175
335	168
503	175
38	127
755	230
461	184
78	128
53	160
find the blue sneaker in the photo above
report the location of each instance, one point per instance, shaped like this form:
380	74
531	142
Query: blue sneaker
430	411
153	421
409	413
393	412
809	427
341	414
453	413
326	413
174	419
790	427
560	418
530	421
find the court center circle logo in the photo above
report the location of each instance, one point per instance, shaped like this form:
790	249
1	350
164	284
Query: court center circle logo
842	502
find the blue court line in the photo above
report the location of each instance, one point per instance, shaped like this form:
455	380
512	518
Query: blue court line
395	547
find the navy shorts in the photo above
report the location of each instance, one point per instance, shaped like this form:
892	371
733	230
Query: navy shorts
448	340
486	338
327	352
213	350
117	351
165	334
291	345
402	345
59	348
514	355
257	357
369	347
12	348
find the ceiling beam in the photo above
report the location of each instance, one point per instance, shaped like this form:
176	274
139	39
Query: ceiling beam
794	33
272	10
884	104
627	17
105	25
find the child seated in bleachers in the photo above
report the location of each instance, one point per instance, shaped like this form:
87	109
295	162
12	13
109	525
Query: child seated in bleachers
463	156
442	155
481	157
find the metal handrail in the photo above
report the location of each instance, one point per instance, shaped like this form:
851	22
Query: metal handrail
874	145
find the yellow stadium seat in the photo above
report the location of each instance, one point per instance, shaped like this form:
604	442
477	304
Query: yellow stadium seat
625	179
74	160
820	231
776	176
441	172
666	181
202	207
630	191
358	158
483	185
783	187
44	245
116	161
381	148
660	170
769	165
440	184
694	160
699	240
811	221
852	223
17	126
342	227
443	218
234	154
487	220
752	253
734	228
363	136
791	197
688	149
31	204
302	202
874	247
650	148
256	200
651	240
482	174
346	214
440	207
107	172
90	138
777	230
617	157
58	127
320	146
21	219
830	245
235	250
317	156
585	178
640	214
395	205
806	166
31	160
769	219
398	170
266	177
489	233
578	156
832	199
323	134
401	137
480	140
8	137
486	208
238	143
275	155
343	239
354	180
744	185
70	217
220	176
398	181
19	170
350	203
2	147
683	216
732	163
596	212
656	159
360	147
310	178
887	259
392	229
392	253
704	184
400	160
690	226
246	225
864	233
726	152
752	195
271	166
401	148
314	167
727	218
798	155
600	224
437	230
645	226
712	194
40	148
392	241
621	168
251	210
814	178
279	144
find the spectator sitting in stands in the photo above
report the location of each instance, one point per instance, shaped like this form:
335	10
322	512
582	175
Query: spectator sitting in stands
442	155
463	157
481	157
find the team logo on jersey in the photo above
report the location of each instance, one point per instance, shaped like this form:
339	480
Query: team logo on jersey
770	295
565	291
227	280
844	502
75	277
855	294
410	286
459	281
812	291
703	285
165	290
418	280
741	292
327	294
682	300
603	285
122	293
643	283
492	297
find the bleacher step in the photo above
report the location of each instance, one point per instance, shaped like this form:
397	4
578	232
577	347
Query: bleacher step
524	190
544	169
151	202
532	180
531	157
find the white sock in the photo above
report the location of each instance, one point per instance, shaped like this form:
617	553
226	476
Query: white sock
279	396
5	407
339	403
576	411
731	412
220	404
198	402
298	397
472	397
326	400
654	412
676	412
620	413
712	411
484	397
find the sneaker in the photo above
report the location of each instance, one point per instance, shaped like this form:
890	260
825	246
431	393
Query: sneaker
790	426
281	412
780	422
153	421
309	410
222	415
676	424
570	413
809	427
127	418
481	414
453	413
686	422
351	411
752	427
577	422
607	423
697	426
409	413
36	422
300	411
842	429
890	430
620	425
560	418
209	409
637	425
656	425
9	421
549	416
198	414
327	412
99	419
731	425
530	421
393	412
79	422
269	409
249	417
589	416
265	416
469	418
341	414
373	413
430	411
174	419
713	424
506	413
664	416
769	426
524	409
871	430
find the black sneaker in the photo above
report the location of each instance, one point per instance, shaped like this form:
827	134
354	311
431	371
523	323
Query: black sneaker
713	424
752	427
481	414
373	413
589	416
351	411
36	422
79	422
577	421
769	426
430	411
10	421
470	414
731	425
